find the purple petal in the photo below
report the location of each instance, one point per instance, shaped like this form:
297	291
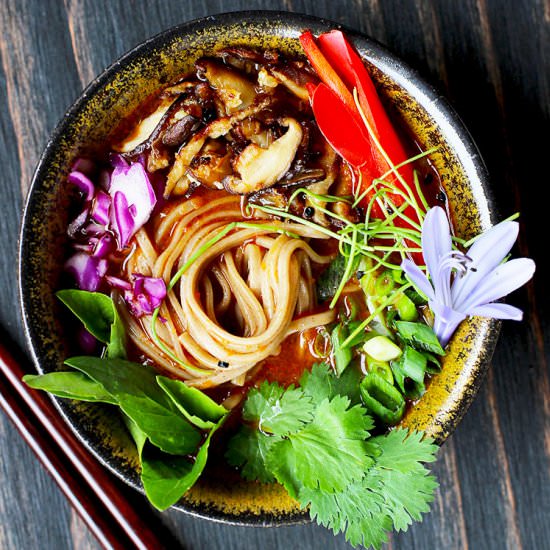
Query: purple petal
100	208
418	278
83	183
146	295
485	254
86	270
154	287
498	311
436	241
500	282
446	321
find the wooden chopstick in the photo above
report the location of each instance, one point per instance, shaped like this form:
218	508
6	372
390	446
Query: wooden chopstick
99	502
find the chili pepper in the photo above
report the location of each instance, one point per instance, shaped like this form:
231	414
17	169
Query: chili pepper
341	69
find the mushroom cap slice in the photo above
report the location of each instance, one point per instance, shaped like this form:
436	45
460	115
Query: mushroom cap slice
260	168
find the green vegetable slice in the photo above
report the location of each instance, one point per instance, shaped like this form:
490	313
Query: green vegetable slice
382	399
342	356
136	391
99	315
70	385
409	373
195	405
329	280
419	336
382	348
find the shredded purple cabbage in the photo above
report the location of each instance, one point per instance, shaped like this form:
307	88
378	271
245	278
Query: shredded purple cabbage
114	210
87	270
146	294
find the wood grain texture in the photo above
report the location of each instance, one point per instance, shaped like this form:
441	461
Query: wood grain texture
491	58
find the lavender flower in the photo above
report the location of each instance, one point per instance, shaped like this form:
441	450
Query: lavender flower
467	284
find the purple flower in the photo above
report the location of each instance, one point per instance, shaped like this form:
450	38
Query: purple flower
467	284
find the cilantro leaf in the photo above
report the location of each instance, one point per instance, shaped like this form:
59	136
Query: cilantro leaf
247	449
329	452
276	410
357	511
402	450
406	495
396	490
321	383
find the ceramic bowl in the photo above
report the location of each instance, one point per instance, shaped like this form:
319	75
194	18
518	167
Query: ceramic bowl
113	95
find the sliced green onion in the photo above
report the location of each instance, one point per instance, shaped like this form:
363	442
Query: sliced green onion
382	348
409	373
419	336
382	399
382	368
342	356
406	309
384	283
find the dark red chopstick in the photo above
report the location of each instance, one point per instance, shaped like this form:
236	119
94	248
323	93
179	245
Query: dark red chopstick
99	502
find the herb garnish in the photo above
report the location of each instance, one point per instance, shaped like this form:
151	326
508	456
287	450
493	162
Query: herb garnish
325	457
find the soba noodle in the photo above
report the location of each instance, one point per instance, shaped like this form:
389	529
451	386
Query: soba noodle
259	277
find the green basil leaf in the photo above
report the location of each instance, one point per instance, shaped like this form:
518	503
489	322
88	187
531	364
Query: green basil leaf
99	315
195	405
165	477
419	336
136	391
70	385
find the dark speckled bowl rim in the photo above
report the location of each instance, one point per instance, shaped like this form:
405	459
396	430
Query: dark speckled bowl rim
441	111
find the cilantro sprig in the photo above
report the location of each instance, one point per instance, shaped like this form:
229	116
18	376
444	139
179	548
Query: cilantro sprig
315	440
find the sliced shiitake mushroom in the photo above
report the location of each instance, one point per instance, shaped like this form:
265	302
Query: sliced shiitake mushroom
259	168
294	76
233	88
212	165
273	196
181	130
140	137
329	163
217	128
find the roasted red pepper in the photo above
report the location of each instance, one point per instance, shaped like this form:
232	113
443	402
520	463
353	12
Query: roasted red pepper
341	69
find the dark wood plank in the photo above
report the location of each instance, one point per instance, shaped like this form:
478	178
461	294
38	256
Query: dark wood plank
492	59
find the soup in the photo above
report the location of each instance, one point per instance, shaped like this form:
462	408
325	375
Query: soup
260	263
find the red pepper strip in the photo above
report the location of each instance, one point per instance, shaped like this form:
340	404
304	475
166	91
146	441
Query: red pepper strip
342	130
333	50
324	70
339	53
340	127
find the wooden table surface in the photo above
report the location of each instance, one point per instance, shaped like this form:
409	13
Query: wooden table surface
491	58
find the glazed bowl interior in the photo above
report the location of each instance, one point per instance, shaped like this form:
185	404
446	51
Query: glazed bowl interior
115	94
